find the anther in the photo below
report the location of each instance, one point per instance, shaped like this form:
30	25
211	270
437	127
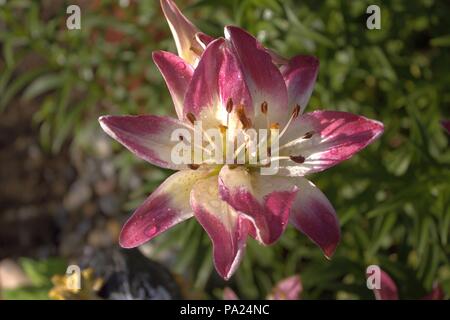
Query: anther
294	115
298	159
308	135
229	105
275	125
296	112
181	138
194	166
222	128
264	107
190	116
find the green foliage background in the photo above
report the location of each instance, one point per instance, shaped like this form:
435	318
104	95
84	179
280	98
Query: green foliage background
393	199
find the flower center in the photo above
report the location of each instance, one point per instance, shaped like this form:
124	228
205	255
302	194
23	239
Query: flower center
238	143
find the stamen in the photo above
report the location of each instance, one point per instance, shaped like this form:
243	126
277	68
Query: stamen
294	116
194	166
269	159
298	159
229	105
229	108
264	110
190	116
306	136
275	125
222	128
296	111
192	119
180	137
239	149
264	107
246	122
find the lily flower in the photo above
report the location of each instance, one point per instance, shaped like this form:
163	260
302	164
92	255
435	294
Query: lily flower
388	290
237	87
446	125
287	289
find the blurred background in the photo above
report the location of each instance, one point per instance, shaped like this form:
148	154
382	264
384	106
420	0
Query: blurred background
66	188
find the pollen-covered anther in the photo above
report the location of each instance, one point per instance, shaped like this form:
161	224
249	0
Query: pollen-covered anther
222	128
275	125
297	159
190	116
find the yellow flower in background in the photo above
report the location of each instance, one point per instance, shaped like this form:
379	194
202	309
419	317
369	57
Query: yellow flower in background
65	288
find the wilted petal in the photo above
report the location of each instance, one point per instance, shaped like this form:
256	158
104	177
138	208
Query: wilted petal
227	229
333	137
287	289
177	74
300	75
267	200
263	78
388	288
446	125
314	215
229	294
164	208
183	32
148	137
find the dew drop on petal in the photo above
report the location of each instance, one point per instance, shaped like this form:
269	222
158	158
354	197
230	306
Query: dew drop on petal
181	66
150	230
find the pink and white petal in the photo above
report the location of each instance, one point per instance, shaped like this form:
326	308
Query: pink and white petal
446	125
203	90
203	39
148	137
388	288
232	82
167	206
227	228
263	78
436	294
287	289
229	294
300	75
183	32
266	200
217	78
177	73
314	216
336	136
